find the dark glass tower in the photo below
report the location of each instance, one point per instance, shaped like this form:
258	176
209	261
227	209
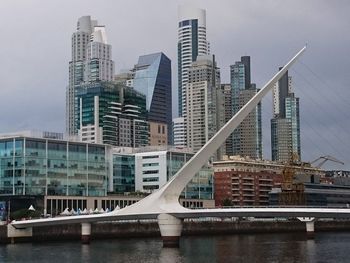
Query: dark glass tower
153	78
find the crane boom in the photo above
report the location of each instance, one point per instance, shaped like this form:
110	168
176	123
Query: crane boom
325	159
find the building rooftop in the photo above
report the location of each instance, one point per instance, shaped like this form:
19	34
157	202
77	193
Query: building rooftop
34	134
237	159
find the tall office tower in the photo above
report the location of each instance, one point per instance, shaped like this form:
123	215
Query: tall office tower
285	125
179	132
227	93
91	60
152	77
247	137
192	42
111	114
202	102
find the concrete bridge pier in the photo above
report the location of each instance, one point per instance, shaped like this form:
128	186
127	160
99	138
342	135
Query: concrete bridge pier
15	234
85	233
310	226
170	229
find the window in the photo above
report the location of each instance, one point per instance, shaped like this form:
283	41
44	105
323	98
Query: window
150	164
151	172
151	179
150	157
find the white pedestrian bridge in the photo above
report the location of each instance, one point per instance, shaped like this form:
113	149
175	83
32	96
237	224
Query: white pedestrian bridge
258	212
164	206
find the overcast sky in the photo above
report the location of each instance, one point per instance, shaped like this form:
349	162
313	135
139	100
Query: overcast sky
35	49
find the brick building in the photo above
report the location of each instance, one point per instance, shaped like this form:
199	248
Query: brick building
245	182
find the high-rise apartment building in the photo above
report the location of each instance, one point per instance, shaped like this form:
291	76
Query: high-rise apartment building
192	42
179	132
99	65
203	116
247	137
152	77
285	125
111	114
91	61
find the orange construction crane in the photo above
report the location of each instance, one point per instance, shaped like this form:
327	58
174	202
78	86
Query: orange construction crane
291	193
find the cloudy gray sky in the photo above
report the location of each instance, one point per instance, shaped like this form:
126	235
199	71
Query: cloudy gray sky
35	51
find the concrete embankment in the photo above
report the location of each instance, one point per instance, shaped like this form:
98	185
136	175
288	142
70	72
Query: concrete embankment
150	229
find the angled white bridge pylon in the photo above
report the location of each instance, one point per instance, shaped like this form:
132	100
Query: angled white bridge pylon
166	199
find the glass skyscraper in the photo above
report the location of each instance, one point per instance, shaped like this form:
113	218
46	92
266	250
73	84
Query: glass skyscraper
247	137
152	77
285	125
112	114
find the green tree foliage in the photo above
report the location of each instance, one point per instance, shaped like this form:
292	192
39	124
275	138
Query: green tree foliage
227	202
24	213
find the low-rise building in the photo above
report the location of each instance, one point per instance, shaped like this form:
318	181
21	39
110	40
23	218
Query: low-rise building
34	170
154	168
35	166
318	194
245	182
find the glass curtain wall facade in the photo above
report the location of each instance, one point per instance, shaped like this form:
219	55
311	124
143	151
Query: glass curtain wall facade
247	137
153	78
292	113
31	166
112	114
285	126
94	109
201	186
123	173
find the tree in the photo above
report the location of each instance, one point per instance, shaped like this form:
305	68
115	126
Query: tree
227	202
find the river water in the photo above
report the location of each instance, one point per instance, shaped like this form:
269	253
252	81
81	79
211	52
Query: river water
279	247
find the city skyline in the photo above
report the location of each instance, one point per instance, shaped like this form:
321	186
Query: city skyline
26	87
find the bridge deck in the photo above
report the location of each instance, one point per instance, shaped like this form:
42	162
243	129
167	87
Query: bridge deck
189	213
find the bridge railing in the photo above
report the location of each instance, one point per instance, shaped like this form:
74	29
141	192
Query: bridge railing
276	206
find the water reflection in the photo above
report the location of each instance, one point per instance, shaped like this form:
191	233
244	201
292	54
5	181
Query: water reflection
85	252
170	255
311	250
326	247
